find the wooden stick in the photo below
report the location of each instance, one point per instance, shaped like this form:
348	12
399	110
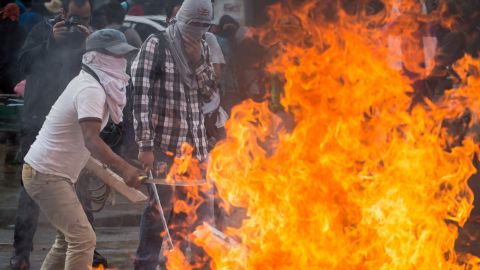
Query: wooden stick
114	181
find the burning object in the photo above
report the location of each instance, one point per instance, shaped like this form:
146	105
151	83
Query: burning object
365	180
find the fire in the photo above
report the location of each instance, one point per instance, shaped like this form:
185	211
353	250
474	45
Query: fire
177	261
185	168
100	267
364	180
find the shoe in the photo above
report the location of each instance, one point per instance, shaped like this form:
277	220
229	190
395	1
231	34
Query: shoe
19	262
99	260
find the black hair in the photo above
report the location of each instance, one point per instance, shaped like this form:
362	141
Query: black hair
66	3
114	12
171	6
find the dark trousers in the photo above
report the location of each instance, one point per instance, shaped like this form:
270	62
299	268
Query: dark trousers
151	228
25	224
27	210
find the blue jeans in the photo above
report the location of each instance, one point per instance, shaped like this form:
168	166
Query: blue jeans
151	227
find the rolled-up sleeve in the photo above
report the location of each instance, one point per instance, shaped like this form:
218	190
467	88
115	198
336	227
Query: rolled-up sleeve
144	74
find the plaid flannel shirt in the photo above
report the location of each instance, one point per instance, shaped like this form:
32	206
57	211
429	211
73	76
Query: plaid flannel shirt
166	112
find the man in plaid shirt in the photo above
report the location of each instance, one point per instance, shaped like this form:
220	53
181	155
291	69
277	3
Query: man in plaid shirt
172	79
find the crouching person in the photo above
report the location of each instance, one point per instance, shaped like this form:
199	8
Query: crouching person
68	137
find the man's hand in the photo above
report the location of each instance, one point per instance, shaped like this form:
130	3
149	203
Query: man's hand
60	31
84	30
132	175
193	50
147	158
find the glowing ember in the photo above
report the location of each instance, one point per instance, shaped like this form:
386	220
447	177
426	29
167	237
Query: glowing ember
363	181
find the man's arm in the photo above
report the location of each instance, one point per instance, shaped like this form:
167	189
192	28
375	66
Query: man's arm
90	105
144	73
99	149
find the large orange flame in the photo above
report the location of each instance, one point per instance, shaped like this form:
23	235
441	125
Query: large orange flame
363	181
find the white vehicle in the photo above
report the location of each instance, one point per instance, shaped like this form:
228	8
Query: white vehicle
143	25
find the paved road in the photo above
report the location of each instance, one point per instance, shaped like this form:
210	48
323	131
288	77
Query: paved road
117	230
117	237
116	244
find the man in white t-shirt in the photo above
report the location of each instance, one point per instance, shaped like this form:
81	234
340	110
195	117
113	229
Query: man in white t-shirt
68	137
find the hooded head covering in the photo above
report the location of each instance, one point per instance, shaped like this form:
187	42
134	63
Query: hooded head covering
196	11
11	12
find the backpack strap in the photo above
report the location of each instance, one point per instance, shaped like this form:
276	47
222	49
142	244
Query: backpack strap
162	45
88	70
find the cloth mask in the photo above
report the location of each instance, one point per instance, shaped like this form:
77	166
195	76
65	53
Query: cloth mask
200	11
111	72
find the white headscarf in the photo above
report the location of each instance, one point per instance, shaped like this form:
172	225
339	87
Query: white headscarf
111	72
200	11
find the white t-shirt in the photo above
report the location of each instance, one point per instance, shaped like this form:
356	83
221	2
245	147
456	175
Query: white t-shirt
59	148
216	54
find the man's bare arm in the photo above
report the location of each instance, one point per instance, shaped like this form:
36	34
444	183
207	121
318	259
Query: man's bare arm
101	151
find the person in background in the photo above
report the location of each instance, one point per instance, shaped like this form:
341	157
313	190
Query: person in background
13	36
172	8
125	5
99	19
137	8
215	115
153	7
172	80
69	136
225	32
49	59
463	38
115	15
30	17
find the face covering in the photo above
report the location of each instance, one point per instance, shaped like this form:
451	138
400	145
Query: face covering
194	32
200	11
111	72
